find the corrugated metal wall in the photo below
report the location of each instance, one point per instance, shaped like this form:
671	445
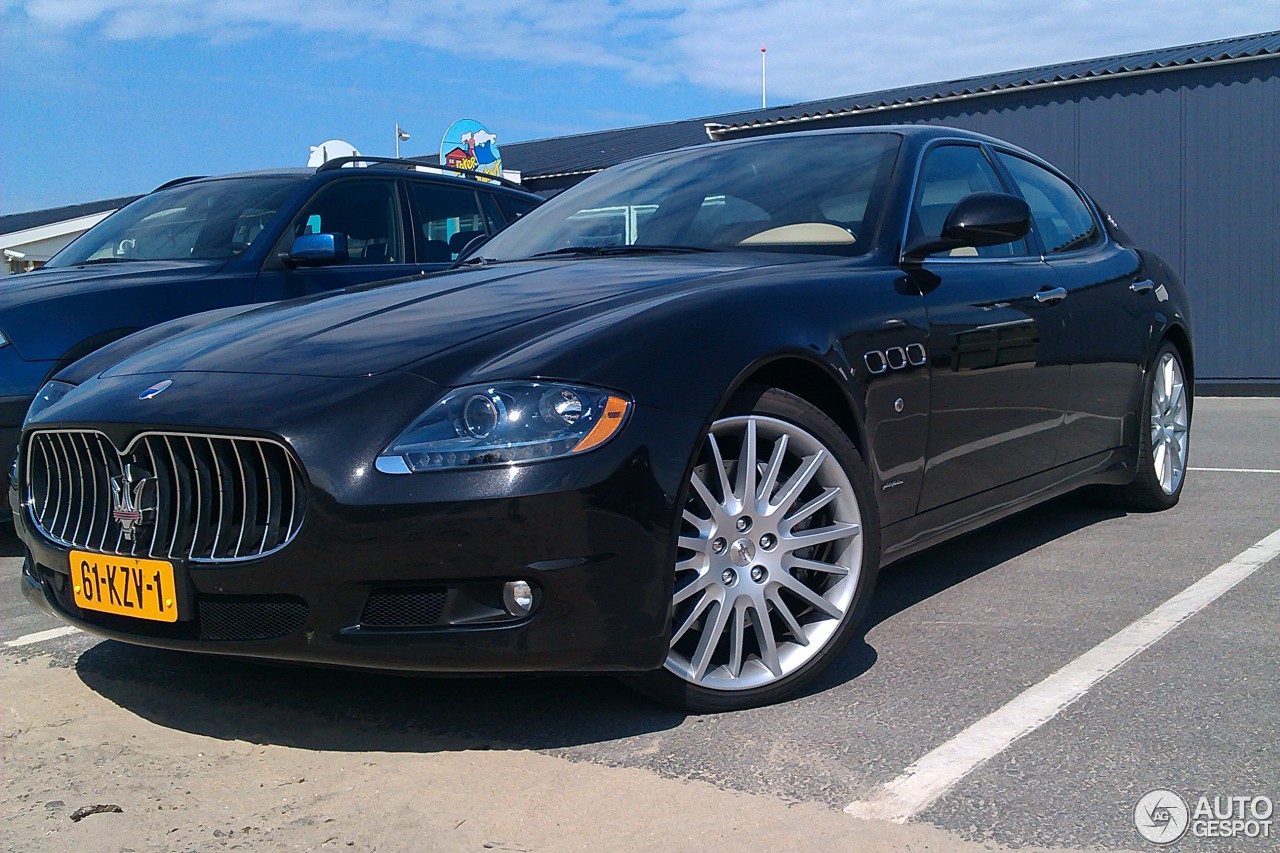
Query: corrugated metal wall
1186	161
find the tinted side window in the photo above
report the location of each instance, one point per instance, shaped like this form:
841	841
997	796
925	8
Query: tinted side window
447	218
949	173
513	208
1060	215
364	210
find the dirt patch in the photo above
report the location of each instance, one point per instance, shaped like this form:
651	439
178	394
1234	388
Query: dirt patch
66	747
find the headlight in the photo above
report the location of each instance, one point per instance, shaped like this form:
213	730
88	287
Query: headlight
506	422
3	339
51	393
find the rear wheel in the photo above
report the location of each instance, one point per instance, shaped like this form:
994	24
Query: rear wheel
1165	436
778	547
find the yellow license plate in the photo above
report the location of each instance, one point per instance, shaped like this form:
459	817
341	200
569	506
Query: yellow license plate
125	586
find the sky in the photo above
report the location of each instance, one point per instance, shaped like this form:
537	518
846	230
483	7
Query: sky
113	97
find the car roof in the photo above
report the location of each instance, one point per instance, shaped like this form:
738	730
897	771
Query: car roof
302	173
919	133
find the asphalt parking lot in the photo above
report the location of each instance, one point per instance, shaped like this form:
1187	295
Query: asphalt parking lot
955	635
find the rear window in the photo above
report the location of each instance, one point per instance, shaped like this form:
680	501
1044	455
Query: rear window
1061	217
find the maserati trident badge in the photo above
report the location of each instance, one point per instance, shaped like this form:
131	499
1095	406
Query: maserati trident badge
128	498
155	389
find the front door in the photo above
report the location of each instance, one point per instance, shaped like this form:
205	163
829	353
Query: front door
999	380
366	210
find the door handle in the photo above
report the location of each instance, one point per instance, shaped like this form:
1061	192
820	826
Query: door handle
1144	286
1048	297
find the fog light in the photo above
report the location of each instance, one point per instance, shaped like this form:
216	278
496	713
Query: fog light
517	596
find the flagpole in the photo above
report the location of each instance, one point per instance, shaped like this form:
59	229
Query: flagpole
762	78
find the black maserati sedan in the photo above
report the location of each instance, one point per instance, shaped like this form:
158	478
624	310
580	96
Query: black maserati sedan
669	425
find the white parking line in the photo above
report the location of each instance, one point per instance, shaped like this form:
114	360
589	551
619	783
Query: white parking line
41	636
1240	470
935	773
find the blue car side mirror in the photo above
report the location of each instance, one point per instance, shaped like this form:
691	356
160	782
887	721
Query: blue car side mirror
313	250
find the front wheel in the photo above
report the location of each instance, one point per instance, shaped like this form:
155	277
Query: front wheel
778	549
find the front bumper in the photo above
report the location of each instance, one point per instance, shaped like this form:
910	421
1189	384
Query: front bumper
591	534
12	411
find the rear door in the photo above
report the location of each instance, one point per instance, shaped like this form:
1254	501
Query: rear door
369	211
1106	315
998	381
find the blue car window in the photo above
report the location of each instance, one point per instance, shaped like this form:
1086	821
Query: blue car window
365	210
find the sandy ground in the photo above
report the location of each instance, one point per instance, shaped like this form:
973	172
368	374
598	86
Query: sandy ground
66	746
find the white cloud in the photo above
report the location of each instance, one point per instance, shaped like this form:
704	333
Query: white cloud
815	49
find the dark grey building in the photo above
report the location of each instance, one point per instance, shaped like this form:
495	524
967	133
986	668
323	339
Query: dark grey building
1180	145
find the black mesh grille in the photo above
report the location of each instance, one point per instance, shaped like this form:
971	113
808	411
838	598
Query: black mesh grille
250	617
419	607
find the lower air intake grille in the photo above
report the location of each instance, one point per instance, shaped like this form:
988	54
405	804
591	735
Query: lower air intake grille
419	607
250	617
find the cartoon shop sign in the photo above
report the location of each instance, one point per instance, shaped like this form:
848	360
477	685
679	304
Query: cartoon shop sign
467	144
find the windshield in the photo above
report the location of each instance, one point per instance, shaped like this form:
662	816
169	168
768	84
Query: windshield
204	220
818	193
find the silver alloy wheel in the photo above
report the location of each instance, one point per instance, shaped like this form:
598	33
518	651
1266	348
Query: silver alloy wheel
1169	423
770	555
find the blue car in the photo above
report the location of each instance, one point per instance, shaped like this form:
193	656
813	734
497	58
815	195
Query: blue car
198	244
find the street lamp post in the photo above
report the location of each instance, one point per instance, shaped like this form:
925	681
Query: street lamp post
401	135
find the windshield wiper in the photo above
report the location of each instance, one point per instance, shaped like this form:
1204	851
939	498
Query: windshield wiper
613	251
104	261
473	261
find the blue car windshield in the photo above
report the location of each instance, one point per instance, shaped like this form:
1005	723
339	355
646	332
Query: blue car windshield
202	220
819	193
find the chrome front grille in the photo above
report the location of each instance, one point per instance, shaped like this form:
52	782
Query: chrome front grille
206	498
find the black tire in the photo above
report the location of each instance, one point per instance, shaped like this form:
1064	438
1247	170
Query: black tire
670	688
1146	493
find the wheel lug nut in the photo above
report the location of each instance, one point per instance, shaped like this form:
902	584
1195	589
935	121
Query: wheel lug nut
767	541
728	576
758	574
744	524
718	545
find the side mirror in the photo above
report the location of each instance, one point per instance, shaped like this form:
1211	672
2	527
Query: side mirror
978	219
315	250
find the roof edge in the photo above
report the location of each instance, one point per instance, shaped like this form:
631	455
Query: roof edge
718	131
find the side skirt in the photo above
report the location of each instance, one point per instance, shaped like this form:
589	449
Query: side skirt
915	534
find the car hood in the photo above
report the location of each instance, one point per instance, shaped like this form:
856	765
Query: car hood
31	301
46	283
375	329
